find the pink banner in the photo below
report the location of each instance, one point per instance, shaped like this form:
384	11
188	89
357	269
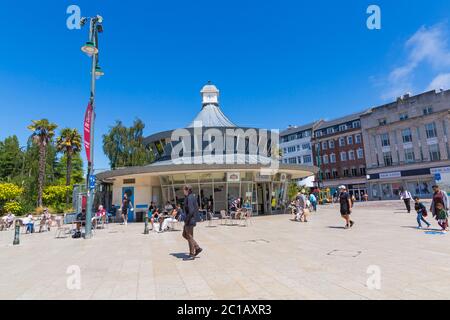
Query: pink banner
87	131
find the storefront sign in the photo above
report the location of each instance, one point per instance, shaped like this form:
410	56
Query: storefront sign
439	170
262	178
389	175
233	176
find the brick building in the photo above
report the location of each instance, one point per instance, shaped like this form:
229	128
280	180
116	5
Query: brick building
338	152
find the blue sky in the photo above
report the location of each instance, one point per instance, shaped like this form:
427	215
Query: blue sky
275	62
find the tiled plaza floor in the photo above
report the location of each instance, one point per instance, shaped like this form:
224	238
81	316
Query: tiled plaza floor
273	258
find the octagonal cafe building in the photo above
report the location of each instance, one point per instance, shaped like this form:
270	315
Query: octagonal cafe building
220	160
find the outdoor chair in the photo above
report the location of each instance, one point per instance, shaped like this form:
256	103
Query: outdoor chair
211	218
224	216
61	227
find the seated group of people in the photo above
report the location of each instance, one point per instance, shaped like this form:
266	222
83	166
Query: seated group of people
237	209
163	219
100	216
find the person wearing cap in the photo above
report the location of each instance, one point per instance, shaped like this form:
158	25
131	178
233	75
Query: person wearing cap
346	205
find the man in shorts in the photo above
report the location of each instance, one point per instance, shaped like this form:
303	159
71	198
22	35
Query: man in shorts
346	205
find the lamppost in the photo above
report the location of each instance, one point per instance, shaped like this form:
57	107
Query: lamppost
91	49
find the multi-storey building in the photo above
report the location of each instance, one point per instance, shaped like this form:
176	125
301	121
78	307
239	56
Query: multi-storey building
406	144
338	151
295	144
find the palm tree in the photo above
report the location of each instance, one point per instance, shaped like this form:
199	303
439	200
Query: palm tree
43	132
69	143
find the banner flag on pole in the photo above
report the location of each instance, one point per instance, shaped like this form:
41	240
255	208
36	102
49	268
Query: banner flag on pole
87	132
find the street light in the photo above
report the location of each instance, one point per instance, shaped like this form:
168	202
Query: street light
91	49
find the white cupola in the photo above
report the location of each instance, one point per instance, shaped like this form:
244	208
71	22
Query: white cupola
210	95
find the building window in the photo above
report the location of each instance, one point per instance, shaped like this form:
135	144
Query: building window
317	147
306	146
318	133
285	150
362	171
427	111
387	158
324	145
328	175
351	155
409	155
335	174
341	142
343	156
325	159
307	159
431	130
330	130
299	160
360	153
293	160
286	161
385	142
345	172
331	144
354	172
435	154
356	124
332	158
291	149
342	127
350	140
307	134
298	148
358	138
382	122
403	116
406	135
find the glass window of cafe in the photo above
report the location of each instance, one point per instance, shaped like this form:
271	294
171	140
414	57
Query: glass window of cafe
214	191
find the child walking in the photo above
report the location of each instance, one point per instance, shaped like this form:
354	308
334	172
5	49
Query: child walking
421	213
442	217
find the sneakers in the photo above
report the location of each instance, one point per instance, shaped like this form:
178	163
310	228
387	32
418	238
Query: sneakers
197	252
351	223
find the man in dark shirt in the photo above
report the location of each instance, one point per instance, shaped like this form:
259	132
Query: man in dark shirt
191	211
346	205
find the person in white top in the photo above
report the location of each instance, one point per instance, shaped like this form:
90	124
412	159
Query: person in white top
406	196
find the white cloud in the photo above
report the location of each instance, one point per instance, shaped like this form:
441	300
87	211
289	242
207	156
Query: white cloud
441	81
428	46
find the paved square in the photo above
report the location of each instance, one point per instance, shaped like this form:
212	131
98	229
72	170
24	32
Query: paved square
273	258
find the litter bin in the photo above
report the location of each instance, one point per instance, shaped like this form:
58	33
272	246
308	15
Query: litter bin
140	216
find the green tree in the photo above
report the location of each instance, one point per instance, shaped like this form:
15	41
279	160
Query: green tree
292	190
125	147
69	143
43	132
11	159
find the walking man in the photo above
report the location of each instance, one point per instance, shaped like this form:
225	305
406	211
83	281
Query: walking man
300	203
191	211
125	206
406	197
346	205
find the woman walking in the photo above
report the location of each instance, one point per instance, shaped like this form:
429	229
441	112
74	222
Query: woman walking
439	207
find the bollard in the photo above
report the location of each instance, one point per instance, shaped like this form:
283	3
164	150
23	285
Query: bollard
146	225
16	233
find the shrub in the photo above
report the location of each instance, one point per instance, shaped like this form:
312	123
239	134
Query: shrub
13	206
9	193
55	197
